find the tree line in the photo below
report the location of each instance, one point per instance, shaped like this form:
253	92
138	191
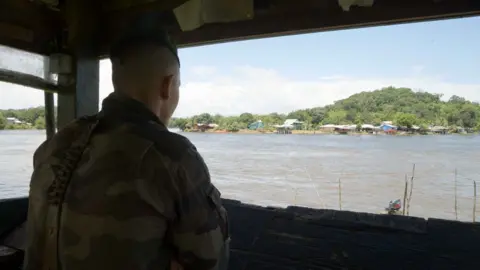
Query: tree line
403	106
30	118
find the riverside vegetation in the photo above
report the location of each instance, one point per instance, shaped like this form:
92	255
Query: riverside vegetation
31	118
403	106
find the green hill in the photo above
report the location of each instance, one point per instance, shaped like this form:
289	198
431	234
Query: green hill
402	105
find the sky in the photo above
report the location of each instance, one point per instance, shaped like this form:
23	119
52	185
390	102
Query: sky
295	72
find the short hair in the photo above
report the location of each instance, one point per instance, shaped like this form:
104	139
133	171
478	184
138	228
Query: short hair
126	48
141	60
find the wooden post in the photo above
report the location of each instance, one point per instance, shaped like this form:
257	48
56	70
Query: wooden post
49	114
456	205
411	190
405	193
81	18
49	97
340	193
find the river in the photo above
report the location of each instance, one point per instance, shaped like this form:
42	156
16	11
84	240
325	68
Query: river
304	170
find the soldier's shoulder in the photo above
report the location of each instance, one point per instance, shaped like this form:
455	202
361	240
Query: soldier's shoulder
63	138
167	143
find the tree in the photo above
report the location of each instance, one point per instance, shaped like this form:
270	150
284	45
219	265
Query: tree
456	99
402	105
40	123
246	118
405	119
3	122
317	115
204	118
181	123
336	117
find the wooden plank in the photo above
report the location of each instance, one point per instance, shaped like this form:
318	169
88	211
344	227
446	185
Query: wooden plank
277	18
27	80
39	29
28	26
328	18
115	9
303	238
265	238
50	126
13	212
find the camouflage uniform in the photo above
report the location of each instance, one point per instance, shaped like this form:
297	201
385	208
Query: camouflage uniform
119	191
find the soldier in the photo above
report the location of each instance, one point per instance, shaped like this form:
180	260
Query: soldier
117	190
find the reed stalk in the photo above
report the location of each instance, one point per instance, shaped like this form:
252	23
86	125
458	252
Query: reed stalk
340	193
405	193
456	201
474	201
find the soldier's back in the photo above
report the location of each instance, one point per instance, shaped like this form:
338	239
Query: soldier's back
106	216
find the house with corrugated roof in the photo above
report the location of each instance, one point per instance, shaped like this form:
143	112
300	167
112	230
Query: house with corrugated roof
256	125
288	126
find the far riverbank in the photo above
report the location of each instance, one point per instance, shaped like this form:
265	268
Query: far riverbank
318	132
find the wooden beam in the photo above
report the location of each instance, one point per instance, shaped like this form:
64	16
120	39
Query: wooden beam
83	99
116	9
114	21
303	238
49	114
32	27
27	80
277	18
327	18
28	26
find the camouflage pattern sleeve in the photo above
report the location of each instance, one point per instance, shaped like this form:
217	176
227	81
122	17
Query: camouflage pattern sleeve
39	153
199	232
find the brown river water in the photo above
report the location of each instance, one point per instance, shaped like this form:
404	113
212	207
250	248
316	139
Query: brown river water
304	170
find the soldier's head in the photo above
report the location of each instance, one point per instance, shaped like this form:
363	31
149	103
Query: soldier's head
146	67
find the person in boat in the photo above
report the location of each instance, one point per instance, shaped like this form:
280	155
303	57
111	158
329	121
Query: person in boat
117	190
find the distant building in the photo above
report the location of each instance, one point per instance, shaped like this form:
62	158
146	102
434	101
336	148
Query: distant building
13	121
328	127
288	126
204	127
256	125
388	127
344	129
439	129
293	124
369	128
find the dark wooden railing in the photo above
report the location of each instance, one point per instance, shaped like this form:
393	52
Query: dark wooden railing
302	238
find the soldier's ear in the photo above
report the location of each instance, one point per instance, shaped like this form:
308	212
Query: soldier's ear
166	86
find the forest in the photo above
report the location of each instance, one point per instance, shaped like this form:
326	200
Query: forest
31	118
403	106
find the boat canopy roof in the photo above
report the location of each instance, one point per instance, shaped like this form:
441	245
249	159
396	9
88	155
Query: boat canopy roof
50	26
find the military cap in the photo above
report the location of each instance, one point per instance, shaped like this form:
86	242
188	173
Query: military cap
146	28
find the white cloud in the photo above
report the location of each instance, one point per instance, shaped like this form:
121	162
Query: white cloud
258	90
16	97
